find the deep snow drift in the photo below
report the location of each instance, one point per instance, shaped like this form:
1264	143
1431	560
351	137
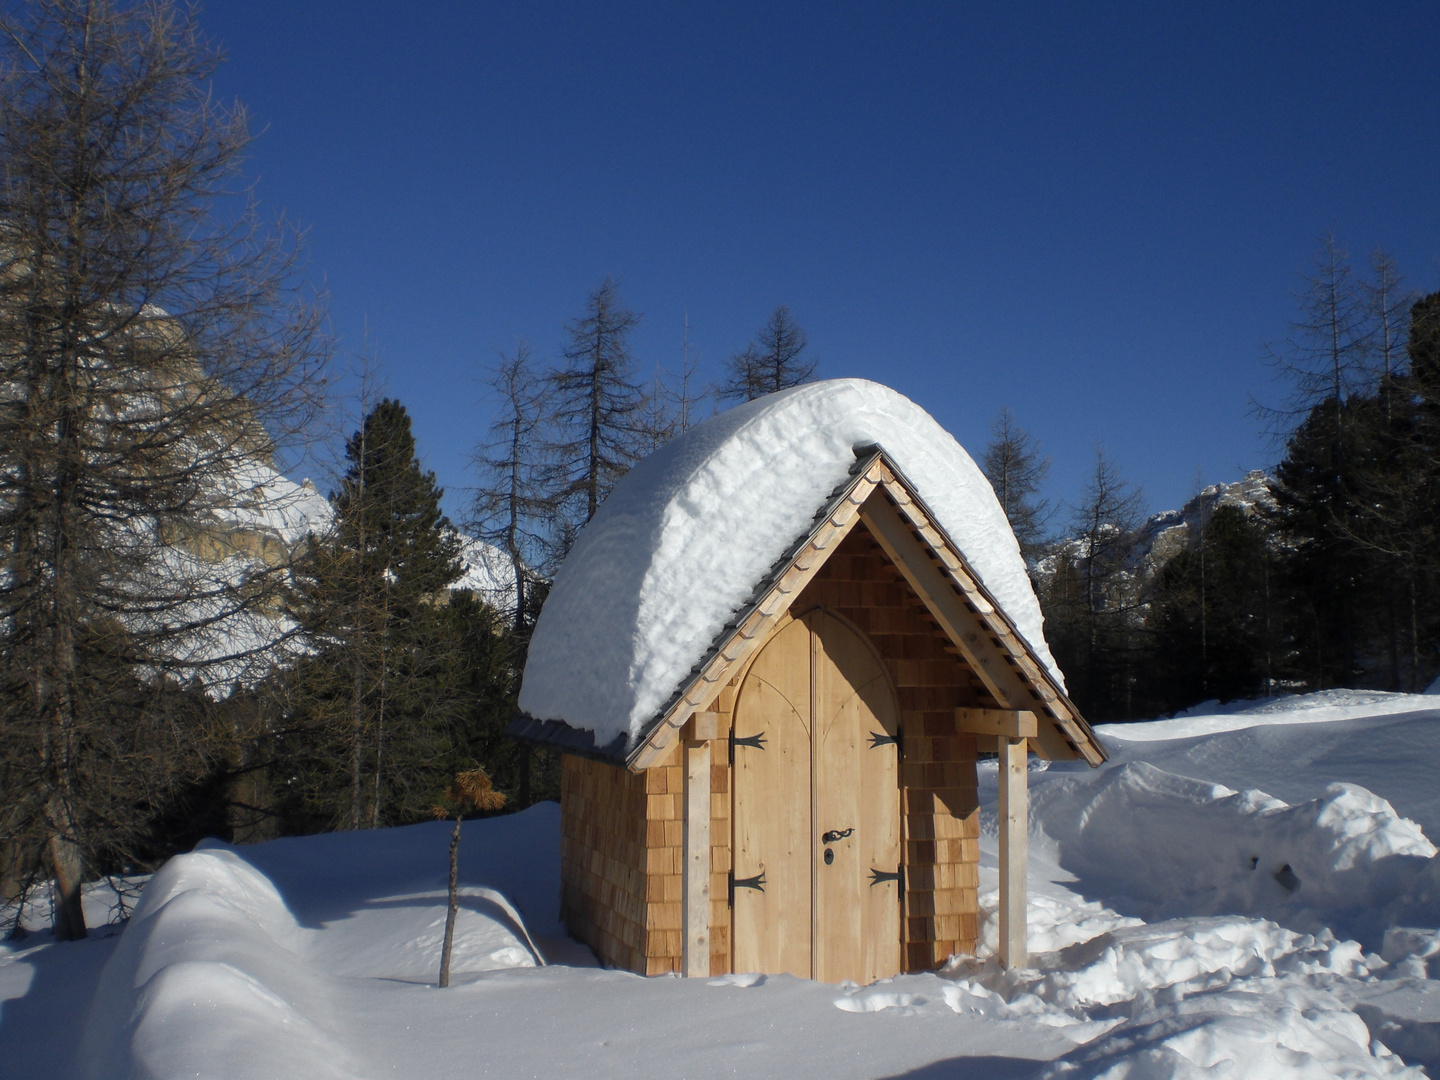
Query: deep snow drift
1248	893
683	539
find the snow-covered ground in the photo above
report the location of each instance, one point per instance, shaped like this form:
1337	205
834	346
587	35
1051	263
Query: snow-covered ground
1241	893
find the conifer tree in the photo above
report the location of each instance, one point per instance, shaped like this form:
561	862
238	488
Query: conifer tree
773	361
378	697
152	346
1090	604
1215	628
1346	501
1016	470
596	407
513	508
1324	572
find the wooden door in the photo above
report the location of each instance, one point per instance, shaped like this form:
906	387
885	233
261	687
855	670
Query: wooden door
771	853
856	787
816	724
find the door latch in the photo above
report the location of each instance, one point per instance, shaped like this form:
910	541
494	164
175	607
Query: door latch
835	834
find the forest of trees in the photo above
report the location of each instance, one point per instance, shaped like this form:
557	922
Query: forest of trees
166	676
157	341
1332	581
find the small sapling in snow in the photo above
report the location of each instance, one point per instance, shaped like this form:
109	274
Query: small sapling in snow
471	791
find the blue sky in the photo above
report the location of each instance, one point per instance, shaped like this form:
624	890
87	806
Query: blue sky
1094	214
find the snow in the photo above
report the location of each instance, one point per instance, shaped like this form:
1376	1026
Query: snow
257	519
487	572
684	538
251	496
1157	950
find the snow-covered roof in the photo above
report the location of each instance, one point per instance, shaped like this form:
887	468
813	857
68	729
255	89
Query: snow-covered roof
679	546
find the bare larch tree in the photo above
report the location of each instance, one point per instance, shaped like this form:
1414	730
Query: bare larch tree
513	508
773	361
596	408
1016	470
153	346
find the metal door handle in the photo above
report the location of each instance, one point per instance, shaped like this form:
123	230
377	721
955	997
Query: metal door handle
835	834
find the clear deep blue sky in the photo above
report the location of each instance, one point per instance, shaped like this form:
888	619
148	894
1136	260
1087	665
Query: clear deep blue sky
1093	214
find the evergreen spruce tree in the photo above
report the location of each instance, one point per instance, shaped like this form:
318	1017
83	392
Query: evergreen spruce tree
1423	350
376	704
1394	489
1346	439
1324	572
1422	387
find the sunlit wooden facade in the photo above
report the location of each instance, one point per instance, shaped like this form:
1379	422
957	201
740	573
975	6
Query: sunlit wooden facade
807	802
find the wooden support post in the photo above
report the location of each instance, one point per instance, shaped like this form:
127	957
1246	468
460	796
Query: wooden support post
695	958
1014	823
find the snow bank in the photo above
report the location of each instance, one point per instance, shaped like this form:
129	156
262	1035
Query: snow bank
209	980
1292	1033
1157	845
682	541
220	973
314	956
1320	707
1186	998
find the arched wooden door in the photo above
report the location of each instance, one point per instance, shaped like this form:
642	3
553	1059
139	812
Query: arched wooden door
816	855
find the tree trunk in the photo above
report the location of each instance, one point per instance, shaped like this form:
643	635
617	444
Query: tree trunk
68	865
454	907
523	795
357	734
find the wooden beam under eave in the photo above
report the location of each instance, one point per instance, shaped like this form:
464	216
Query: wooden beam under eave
1014	828
1011	723
695	888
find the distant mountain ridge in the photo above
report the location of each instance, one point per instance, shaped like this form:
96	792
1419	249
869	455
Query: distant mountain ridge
1168	533
256	520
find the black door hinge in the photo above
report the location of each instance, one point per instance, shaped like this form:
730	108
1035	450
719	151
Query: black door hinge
757	883
756	741
879	738
878	876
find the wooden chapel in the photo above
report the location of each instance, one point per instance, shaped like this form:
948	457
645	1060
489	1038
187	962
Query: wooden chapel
806	800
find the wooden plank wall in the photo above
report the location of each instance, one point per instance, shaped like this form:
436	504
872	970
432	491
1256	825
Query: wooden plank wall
940	818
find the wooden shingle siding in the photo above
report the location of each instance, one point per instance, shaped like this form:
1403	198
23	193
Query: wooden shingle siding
603	856
720	844
664	865
940	809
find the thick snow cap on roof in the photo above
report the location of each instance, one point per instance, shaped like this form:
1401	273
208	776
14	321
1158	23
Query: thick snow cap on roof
684	538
